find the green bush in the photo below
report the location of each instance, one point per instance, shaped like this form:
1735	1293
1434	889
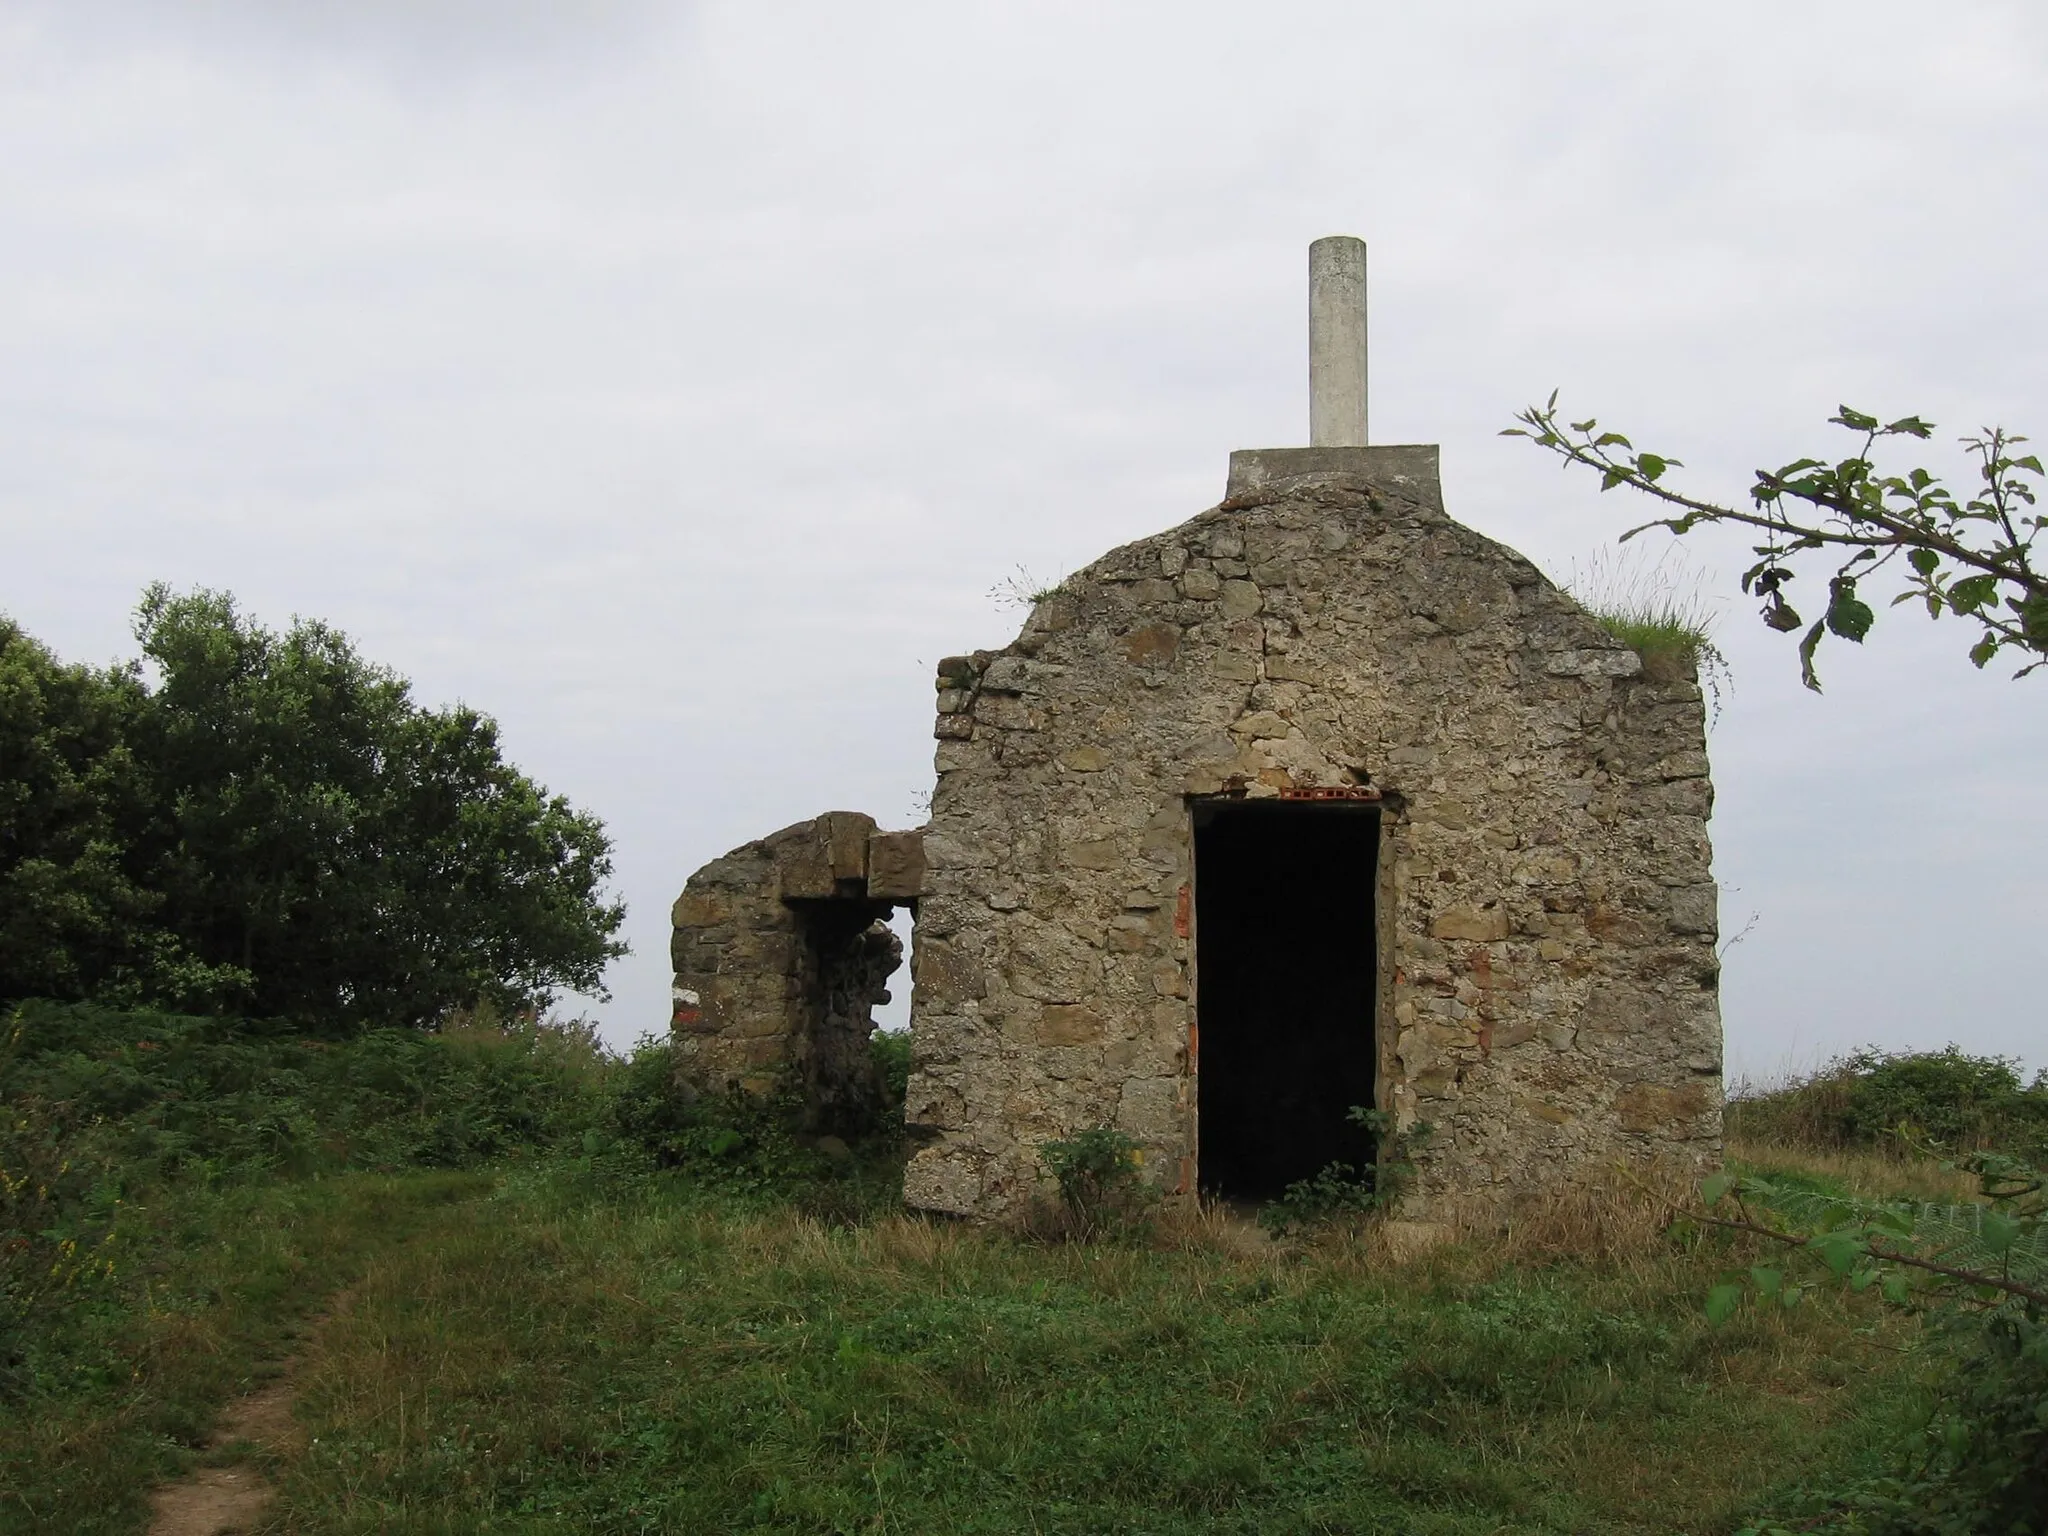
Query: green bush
1958	1101
169	1095
891	1052
1343	1191
1100	1176
1973	1459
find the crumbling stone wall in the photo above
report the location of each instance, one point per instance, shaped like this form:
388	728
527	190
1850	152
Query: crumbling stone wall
781	953
1547	913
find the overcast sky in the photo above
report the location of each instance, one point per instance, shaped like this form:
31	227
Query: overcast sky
674	381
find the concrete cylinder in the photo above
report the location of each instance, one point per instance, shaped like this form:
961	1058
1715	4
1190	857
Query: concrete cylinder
1336	342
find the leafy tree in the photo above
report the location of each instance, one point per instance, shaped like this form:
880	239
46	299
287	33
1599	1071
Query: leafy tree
277	828
1970	558
76	808
358	857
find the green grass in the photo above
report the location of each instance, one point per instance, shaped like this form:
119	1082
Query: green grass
125	1381
640	1317
559	1359
1657	608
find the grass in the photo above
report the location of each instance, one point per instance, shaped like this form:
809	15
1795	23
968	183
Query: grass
129	1379
1658	609
649	1359
572	1339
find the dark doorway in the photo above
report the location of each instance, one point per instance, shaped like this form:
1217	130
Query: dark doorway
1286	964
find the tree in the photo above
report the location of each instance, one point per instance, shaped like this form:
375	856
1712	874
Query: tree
78	915
1972	559
277	828
357	857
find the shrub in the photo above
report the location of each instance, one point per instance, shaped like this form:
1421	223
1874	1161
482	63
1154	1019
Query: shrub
1100	1178
891	1052
737	1142
1343	1191
168	1095
1961	1101
1976	1459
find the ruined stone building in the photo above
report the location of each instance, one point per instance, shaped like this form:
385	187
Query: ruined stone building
1318	800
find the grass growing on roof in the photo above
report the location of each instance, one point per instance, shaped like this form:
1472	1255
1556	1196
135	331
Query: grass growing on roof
1656	606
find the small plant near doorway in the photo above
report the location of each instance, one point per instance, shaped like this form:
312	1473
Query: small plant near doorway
1344	1191
1101	1181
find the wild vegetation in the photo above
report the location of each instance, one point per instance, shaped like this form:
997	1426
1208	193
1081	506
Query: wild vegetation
1970	558
1655	607
267	824
579	1304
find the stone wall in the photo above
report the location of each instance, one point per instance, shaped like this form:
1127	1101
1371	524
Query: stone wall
781	952
1546	908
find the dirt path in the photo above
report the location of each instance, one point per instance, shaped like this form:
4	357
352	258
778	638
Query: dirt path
219	1500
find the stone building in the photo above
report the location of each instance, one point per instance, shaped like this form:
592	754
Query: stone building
1319	800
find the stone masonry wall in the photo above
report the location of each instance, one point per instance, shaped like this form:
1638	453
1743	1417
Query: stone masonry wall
1547	911
781	953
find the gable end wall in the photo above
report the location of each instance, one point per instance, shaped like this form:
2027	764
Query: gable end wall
1547	912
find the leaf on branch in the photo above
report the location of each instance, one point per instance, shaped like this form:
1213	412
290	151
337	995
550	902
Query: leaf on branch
1972	593
1925	561
1609	439
1998	1233
1839	1252
1615	476
1847	615
1807	647
1849	417
1910	426
1722	1301
1781	615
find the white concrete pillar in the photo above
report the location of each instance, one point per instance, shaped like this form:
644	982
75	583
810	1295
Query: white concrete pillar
1336	342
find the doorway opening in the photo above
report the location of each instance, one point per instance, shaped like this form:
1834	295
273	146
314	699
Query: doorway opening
1287	965
847	954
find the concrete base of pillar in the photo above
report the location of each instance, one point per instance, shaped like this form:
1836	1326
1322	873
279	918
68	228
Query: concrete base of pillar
1410	465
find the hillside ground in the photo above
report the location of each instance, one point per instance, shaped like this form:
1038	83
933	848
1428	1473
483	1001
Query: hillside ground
562	1337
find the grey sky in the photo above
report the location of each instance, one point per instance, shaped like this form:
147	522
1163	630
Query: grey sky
674	381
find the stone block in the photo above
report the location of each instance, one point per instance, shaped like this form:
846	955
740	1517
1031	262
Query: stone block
896	866
1693	909
1241	599
1094	853
1153	645
1650	1109
1069	1024
701	909
806	871
1484	924
1006	674
943	976
846	843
